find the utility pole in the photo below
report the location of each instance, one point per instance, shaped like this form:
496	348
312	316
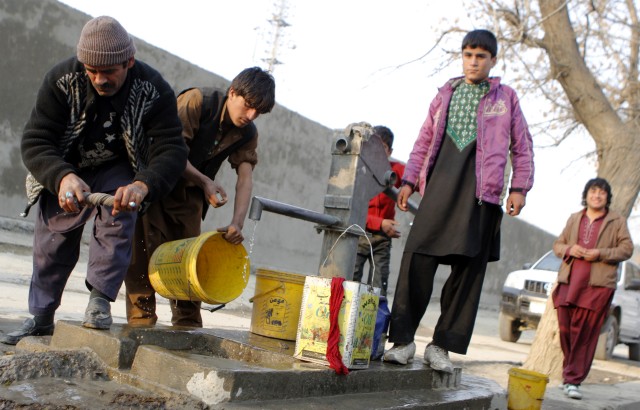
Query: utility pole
276	34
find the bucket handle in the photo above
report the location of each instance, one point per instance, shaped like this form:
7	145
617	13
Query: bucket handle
373	270
259	295
213	309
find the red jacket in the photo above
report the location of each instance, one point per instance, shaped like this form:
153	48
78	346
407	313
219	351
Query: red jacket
381	206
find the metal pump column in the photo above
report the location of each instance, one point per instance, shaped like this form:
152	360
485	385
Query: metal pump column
359	171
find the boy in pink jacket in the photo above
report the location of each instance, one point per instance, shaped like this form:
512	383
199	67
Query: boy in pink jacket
460	165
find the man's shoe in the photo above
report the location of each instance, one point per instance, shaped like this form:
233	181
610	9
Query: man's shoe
400	354
98	314
573	391
437	358
29	328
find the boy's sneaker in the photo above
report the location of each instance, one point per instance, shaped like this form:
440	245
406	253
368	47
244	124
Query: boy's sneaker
573	391
400	354
437	358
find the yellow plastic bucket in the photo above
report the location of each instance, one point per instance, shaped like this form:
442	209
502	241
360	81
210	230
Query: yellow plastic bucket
526	389
276	304
205	268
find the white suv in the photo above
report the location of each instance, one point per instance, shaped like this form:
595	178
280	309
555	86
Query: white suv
524	298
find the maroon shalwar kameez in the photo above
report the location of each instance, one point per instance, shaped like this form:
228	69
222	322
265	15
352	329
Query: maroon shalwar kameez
582	309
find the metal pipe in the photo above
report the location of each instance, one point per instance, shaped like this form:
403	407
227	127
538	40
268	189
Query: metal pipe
392	192
343	145
259	204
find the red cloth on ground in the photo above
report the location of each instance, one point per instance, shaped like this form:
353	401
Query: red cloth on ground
333	351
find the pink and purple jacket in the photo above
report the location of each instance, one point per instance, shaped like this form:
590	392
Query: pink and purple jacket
502	131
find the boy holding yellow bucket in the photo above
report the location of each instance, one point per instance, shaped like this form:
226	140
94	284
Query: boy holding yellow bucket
217	125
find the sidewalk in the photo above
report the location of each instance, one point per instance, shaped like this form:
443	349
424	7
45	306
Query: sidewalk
611	385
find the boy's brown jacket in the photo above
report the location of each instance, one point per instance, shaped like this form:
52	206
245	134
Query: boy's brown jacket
614	243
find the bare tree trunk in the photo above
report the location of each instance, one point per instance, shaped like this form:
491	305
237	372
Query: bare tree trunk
546	355
618	153
617	149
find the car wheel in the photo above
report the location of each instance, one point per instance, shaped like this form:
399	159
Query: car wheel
608	339
509	328
634	352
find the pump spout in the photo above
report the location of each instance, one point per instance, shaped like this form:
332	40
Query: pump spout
259	204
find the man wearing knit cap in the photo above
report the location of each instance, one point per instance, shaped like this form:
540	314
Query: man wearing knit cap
102	122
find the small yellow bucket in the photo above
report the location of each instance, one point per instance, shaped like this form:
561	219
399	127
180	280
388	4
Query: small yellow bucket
276	304
526	389
205	268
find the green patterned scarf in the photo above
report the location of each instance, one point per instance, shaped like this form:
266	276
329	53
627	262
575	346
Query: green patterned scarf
462	124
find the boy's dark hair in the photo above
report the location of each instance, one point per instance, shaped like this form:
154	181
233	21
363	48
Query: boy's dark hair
385	134
258	88
483	39
598	183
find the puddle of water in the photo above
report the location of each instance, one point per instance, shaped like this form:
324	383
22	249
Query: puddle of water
25	389
78	393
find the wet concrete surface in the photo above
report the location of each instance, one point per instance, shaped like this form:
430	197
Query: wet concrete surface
45	392
72	379
611	384
216	367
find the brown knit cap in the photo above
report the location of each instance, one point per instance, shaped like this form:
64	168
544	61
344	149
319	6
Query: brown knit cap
104	42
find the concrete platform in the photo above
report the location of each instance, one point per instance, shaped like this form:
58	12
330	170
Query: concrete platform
239	369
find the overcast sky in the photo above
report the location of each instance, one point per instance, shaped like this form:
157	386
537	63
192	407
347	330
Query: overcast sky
338	67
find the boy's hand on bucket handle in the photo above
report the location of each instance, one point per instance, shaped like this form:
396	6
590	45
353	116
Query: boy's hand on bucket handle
232	233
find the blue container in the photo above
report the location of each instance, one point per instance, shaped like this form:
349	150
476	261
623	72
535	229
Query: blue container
382	326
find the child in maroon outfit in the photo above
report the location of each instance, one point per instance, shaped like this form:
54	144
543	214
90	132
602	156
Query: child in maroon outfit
591	246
